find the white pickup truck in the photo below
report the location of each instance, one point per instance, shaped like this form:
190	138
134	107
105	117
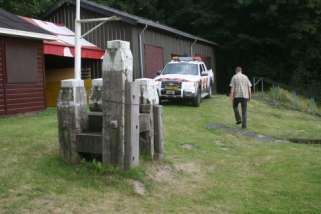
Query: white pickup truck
185	78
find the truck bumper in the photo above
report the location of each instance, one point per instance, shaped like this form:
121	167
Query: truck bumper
177	95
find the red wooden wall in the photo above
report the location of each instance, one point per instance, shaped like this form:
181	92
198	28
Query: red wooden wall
22	87
2	78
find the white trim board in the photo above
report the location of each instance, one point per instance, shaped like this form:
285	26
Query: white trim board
26	34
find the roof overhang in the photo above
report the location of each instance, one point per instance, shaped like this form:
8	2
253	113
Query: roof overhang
64	41
129	18
26	34
68	51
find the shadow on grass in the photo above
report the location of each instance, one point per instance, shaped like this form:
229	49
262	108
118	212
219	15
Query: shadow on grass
183	103
260	137
87	174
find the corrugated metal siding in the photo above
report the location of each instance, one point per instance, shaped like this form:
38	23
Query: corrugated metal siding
2	78
205	51
110	31
135	51
172	44
26	97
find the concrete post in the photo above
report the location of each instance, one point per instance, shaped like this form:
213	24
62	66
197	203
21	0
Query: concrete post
72	117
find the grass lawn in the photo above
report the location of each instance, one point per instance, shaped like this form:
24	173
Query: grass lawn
205	171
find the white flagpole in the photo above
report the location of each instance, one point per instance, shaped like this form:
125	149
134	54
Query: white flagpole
77	42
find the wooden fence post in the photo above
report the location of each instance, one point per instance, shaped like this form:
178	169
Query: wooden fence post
158	132
117	70
132	125
72	117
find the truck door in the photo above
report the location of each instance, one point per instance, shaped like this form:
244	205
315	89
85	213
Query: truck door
204	79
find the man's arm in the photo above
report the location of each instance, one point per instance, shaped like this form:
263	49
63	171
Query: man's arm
232	88
250	88
232	93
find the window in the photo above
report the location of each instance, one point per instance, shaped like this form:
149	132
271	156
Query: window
21	60
180	68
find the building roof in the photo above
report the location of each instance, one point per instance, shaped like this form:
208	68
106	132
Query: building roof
65	41
13	25
132	19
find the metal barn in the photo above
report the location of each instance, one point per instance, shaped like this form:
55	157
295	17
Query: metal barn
152	44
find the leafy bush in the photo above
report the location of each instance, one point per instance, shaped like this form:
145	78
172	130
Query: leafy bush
279	97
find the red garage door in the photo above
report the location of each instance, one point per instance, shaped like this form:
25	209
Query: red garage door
154	60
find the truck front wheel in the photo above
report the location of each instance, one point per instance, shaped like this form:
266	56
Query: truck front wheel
209	93
197	99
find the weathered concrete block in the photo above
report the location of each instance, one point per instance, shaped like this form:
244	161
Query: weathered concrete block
72	117
148	91
95	98
118	57
145	108
144	122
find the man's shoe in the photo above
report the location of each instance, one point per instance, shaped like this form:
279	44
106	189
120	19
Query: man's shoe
238	122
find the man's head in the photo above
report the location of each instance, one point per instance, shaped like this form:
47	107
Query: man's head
238	69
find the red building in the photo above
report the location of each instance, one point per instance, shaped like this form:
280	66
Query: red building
21	65
34	57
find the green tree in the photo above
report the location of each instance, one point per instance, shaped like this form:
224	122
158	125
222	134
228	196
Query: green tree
26	8
279	39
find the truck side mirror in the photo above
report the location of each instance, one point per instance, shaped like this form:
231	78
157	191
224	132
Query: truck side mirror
158	73
204	74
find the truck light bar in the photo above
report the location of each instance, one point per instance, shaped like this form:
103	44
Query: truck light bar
186	59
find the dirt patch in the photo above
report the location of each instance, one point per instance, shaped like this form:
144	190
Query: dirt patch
138	187
242	132
51	204
187	146
162	173
190	168
260	137
306	141
219	142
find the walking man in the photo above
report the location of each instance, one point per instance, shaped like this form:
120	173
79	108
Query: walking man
240	93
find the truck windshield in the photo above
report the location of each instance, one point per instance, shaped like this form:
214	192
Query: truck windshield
181	68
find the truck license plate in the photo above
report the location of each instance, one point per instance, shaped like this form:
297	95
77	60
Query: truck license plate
171	88
170	92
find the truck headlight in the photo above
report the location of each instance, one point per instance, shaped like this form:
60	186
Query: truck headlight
189	86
